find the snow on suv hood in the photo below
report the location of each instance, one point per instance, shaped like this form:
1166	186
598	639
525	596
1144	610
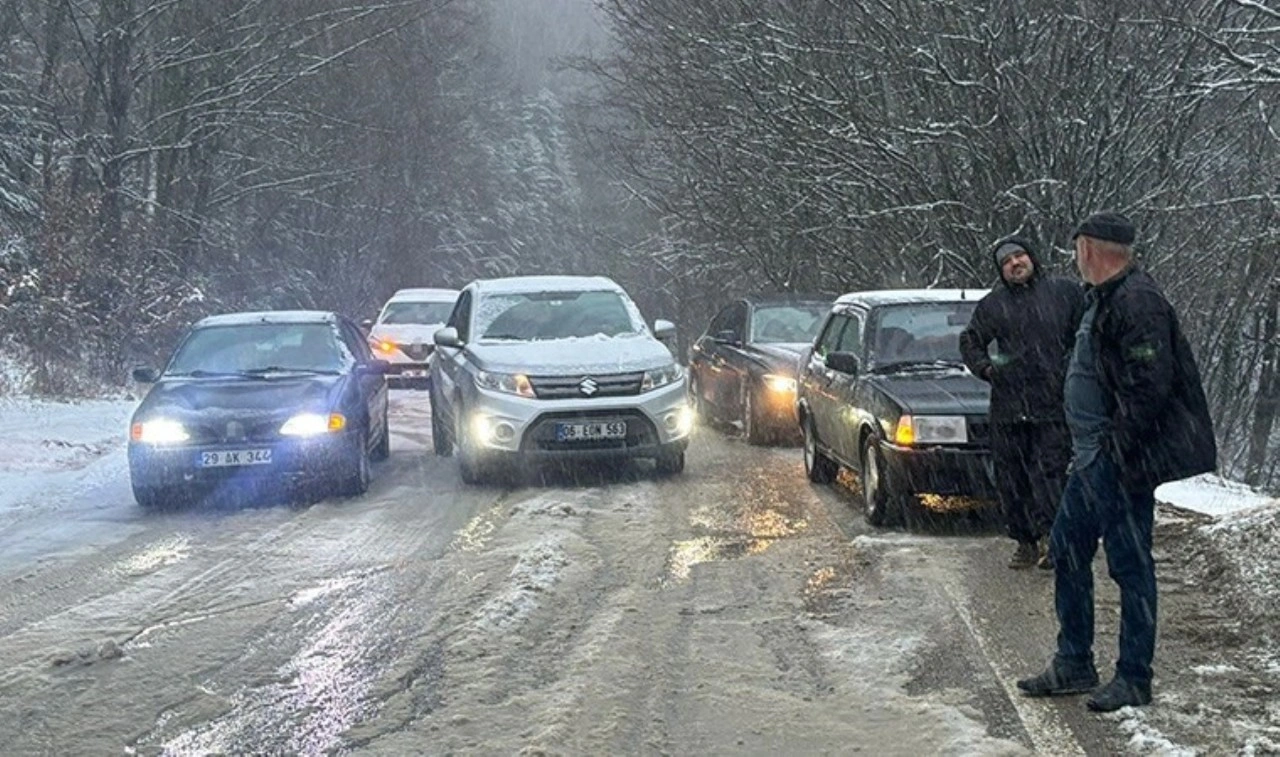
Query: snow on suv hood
573	357
406	333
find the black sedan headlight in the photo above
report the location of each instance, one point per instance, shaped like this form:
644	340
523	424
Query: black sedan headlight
931	429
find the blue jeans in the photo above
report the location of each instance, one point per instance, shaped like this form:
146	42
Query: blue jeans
1096	506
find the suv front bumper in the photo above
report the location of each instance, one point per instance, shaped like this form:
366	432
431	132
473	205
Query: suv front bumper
657	422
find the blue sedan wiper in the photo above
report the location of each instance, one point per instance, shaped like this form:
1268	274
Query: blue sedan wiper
200	373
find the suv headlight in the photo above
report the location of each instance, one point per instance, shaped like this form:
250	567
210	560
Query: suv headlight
931	429
509	383
660	377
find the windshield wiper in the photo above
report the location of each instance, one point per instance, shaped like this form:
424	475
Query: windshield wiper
504	338
200	373
901	365
259	372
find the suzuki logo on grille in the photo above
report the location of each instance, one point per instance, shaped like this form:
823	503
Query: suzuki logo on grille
235	430
588	386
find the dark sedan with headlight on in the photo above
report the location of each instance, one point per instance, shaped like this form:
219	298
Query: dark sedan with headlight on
885	393
743	369
287	397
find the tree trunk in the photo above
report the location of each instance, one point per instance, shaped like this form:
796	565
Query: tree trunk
1268	389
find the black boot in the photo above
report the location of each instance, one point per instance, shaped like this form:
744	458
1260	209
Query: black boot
1121	692
1060	680
1024	556
1045	560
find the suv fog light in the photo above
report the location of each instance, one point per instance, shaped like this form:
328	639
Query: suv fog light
482	428
504	432
679	422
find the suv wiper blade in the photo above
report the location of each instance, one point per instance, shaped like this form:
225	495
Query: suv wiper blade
905	364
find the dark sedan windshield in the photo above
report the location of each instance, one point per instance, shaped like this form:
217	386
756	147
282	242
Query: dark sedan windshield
780	324
416	312
259	348
925	332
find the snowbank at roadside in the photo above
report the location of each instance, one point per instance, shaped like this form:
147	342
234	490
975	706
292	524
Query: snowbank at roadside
51	447
1211	495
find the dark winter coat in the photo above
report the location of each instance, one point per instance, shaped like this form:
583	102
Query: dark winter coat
1161	430
1034	328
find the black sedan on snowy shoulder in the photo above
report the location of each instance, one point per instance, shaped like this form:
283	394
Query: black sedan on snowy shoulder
287	397
743	369
885	393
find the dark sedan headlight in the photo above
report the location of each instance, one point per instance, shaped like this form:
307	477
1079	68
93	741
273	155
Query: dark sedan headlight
159	431
780	384
660	377
313	424
931	429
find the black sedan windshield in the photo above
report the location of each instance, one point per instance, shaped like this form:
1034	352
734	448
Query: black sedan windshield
924	333
553	315
259	348
781	324
416	312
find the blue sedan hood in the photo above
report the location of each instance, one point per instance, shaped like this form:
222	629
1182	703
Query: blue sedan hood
933	393
241	397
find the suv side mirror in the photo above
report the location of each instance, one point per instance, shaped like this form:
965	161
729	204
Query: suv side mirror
367	325
448	338
728	336
664	330
843	362
146	375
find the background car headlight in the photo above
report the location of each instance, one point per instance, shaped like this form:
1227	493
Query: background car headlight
313	424
159	431
932	429
779	383
509	383
659	377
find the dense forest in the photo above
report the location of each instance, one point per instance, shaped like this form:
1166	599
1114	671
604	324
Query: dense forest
163	159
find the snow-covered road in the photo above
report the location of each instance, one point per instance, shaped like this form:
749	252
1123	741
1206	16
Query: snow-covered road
734	608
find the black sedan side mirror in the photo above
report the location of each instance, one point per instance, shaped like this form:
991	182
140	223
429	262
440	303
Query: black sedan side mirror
381	367
843	362
146	375
725	337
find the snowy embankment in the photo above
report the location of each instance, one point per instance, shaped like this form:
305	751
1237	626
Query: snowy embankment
51	450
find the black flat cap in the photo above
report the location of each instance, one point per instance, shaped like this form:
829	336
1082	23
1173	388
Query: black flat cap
1108	226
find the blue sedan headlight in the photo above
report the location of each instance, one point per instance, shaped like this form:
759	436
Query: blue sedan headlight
313	424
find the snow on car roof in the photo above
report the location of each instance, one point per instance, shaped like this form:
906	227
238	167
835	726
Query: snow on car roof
268	316
900	296
521	284
424	294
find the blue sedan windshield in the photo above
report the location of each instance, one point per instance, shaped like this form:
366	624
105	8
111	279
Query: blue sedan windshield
260	347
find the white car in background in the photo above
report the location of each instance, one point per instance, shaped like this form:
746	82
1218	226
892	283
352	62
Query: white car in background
403	334
551	367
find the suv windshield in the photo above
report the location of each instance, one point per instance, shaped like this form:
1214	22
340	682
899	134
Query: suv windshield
777	324
259	348
534	316
416	312
924	333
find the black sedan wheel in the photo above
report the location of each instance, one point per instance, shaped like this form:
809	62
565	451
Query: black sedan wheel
879	502
820	468
753	429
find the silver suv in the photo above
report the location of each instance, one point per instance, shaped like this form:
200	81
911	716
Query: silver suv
539	367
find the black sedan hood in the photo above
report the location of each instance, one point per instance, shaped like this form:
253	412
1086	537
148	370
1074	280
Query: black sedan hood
780	358
213	398
934	393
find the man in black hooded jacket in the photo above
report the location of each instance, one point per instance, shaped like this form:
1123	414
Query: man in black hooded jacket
1032	319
